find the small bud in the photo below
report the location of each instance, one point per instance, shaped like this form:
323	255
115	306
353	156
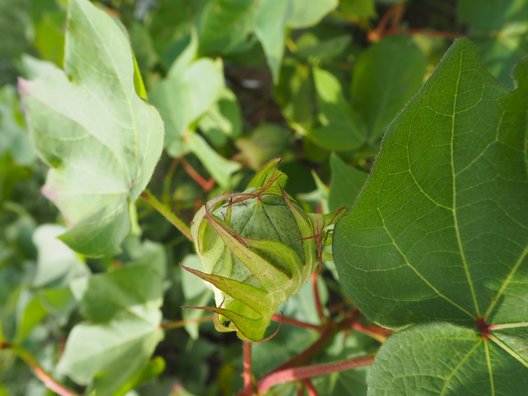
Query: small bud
256	249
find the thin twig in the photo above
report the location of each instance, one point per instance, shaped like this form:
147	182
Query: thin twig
47	380
207	185
300	373
167	180
167	213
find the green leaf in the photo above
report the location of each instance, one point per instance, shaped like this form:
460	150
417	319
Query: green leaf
266	142
225	25
219	167
318	51
196	294
339	130
100	139
13	21
385	77
223	119
13	137
345	183
49	36
190	89
56	262
500	29
440	231
443	359
270	22
294	94
123	316
358	8
303	16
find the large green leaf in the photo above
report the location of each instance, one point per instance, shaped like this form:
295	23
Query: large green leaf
500	29
101	140
122	322
440	233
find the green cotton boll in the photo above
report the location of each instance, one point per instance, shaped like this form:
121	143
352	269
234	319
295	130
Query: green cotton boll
257	249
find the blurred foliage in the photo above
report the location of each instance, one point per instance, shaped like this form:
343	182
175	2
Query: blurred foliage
237	83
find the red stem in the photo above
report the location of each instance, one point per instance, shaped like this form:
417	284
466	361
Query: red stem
49	382
312	391
378	333
317	297
305	356
300	373
247	374
207	185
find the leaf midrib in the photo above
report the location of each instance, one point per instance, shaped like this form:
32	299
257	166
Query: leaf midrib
454	188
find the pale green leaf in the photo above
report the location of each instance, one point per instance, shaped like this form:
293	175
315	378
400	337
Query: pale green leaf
270	22
223	119
100	139
303	16
196	293
56	262
122	327
190	89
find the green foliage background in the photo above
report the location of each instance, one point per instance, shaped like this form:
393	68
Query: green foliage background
238	83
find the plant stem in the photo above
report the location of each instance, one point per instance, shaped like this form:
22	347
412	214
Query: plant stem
207	185
300	373
377	333
247	374
312	391
45	377
305	356
167	213
167	181
317	297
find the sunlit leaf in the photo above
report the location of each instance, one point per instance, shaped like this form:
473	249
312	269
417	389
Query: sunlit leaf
439	233
100	139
